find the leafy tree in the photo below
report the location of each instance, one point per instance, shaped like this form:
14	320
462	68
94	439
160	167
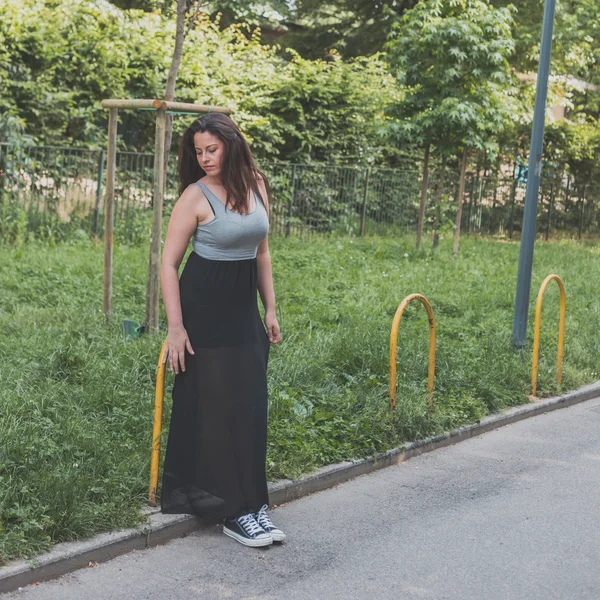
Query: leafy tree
352	27
264	13
576	38
452	56
314	99
269	13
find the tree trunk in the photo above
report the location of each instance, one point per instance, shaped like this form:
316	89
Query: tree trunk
153	283
109	211
421	216
182	8
438	203
461	193
164	133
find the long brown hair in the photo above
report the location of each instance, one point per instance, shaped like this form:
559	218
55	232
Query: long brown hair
239	172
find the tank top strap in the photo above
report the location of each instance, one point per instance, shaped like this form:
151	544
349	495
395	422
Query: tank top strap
259	200
212	199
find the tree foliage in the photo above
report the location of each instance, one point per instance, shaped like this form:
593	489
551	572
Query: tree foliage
452	56
576	38
447	76
61	57
351	27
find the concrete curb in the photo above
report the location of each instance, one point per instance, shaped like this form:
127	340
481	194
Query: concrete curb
159	529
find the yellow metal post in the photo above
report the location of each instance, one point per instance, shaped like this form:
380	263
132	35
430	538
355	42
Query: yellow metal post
156	430
394	342
536	333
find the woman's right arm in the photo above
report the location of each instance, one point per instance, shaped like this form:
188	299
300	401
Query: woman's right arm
182	224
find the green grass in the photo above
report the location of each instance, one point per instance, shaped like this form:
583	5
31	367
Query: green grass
77	399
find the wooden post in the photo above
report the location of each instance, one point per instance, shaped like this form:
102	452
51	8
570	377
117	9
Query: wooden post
131	104
185	107
109	211
421	215
153	286
176	107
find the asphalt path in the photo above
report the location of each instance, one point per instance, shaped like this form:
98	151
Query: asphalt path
511	514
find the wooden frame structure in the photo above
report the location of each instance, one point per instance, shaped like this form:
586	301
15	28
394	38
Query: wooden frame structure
162	108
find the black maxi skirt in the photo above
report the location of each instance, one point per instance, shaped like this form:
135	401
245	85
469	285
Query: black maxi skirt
215	462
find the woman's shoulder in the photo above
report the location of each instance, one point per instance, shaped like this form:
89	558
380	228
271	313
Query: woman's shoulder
193	201
196	189
192	194
193	188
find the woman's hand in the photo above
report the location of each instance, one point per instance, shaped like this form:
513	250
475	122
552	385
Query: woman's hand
272	328
177	343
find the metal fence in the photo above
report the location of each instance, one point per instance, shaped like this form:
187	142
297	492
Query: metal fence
51	190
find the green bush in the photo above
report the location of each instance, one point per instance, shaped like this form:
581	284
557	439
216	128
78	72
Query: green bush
60	58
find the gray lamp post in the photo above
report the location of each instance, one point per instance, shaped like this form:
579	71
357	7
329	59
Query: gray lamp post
519	336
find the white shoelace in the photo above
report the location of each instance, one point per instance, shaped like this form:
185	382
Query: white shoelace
263	519
251	527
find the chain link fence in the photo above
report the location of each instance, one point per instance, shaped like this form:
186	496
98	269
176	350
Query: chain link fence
57	191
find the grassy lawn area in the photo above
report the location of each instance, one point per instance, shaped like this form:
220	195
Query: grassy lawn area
76	398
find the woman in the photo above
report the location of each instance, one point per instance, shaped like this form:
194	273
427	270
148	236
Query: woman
216	343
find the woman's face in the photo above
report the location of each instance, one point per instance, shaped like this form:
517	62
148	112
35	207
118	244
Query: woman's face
209	151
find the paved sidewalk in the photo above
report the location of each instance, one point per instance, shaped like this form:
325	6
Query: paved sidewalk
512	514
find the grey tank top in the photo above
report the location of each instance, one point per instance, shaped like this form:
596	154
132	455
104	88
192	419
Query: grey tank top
230	235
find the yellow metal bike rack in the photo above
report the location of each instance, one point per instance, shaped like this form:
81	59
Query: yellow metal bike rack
536	333
394	342
156	430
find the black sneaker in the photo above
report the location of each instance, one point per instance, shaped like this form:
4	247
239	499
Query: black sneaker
262	518
247	531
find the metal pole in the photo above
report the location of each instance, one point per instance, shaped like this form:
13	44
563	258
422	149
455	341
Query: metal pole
363	210
494	198
470	204
582	201
288	225
550	211
513	193
519	334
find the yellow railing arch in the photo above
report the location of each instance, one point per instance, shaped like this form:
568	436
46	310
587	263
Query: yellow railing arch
394	343
536	332
157	427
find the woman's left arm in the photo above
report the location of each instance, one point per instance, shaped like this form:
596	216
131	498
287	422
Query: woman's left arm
265	281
